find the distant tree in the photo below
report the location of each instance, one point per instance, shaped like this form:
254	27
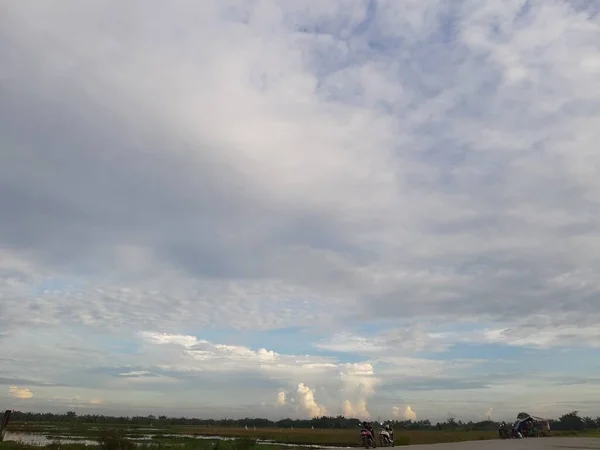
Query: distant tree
571	421
451	423
588	422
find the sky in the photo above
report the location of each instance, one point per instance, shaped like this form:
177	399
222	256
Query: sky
292	208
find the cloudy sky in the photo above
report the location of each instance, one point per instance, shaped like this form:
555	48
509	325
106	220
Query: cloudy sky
289	208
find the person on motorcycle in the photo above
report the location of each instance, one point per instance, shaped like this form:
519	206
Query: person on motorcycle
370	428
389	429
367	426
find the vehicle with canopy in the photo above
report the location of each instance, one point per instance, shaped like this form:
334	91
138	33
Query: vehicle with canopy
526	426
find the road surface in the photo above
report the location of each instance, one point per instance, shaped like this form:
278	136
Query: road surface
555	443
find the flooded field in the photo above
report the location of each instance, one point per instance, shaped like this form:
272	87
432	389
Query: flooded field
43	439
80	435
40	439
558	443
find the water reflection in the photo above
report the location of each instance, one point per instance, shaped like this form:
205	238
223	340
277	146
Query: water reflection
42	439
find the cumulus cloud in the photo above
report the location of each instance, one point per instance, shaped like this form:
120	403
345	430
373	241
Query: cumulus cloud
409	414
281	398
367	174
358	384
20	393
306	401
357	409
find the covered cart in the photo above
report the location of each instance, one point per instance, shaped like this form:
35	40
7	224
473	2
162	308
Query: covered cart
532	426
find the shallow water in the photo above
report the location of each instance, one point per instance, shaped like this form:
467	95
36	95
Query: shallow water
41	439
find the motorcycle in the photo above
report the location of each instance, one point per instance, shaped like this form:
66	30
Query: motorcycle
503	433
386	439
367	438
508	432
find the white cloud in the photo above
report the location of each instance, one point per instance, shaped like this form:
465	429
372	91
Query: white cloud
20	393
188	371
358	385
266	85
357	409
546	337
404	414
402	340
345	342
178	339
355	381
367	175
306	400
281	398
201	354
409	414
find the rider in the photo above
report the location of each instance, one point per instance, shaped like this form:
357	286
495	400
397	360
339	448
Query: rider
389	429
367	426
370	428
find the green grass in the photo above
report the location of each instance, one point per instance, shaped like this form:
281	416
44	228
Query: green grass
120	437
116	441
584	433
174	435
20	446
342	437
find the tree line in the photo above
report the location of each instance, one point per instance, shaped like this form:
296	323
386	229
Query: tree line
568	421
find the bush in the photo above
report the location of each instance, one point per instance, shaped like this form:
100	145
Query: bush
114	440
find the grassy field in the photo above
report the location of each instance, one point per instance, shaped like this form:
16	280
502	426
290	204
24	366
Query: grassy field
187	436
280	435
341	437
180	444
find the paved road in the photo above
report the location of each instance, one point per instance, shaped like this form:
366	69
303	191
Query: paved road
555	443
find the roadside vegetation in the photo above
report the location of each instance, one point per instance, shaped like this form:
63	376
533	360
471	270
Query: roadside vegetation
72	432
566	422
